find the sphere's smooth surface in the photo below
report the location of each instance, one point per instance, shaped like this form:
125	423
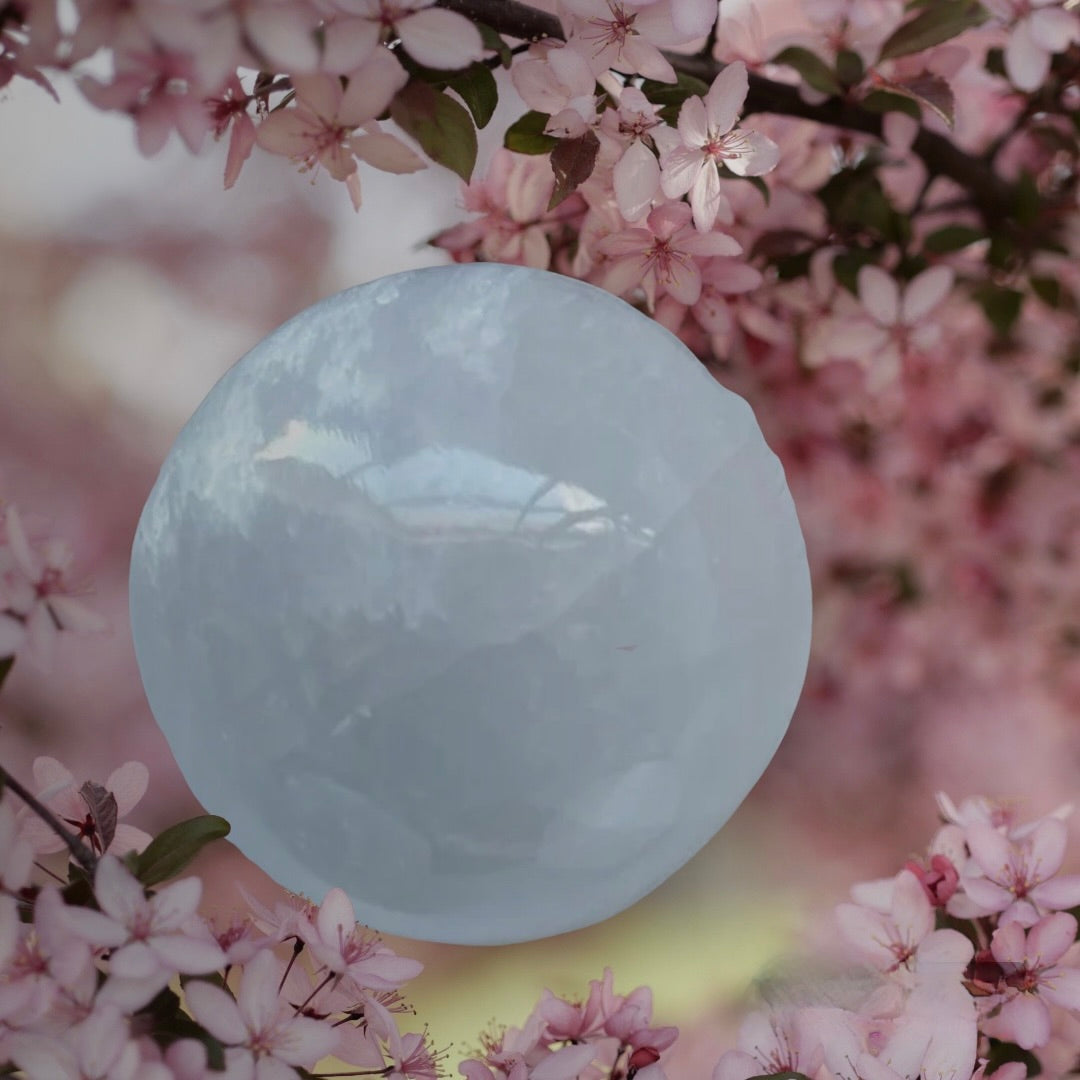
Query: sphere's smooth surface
470	591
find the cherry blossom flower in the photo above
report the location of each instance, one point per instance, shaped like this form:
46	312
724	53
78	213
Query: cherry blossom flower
771	1043
1038	29
346	949
1018	877
161	91
262	1032
98	1048
612	35
557	80
635	169
707	138
678	21
320	130
16	853
1032	978
150	938
889	941
38	600
662	256
431	36
516	225
59	791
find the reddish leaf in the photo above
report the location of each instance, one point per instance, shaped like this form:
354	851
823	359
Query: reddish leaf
930	91
572	162
102	806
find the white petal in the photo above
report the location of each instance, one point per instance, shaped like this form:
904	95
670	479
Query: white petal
760	156
924	293
216	1011
725	97
636	177
693	122
880	294
372	88
1026	62
440	39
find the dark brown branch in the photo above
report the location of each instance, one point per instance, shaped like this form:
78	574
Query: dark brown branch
79	851
993	197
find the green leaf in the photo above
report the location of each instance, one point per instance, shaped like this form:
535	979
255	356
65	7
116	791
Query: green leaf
846	267
6	664
856	202
171	851
1048	290
1001	305
883	101
849	67
439	124
477	88
662	93
943	20
526	135
572	162
952	238
1002	1052
494	42
815	72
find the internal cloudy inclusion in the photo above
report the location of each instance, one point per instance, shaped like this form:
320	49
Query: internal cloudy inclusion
470	591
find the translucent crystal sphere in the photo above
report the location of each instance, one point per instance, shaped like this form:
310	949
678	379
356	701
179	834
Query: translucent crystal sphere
470	591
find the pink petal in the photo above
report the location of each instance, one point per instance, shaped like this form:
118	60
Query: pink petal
283	35
75	616
241	142
867	930
880	295
386	152
911	909
371	89
535	81
258	997
173	905
986	894
725	98
944	953
1007	944
336	919
630	242
304	1041
707	201
135	961
707	245
924	292
1026	62
1045	848
128	783
1061	987
694	18
1049	938
289	133
128	838
1053	29
636	178
94	928
322	94
622	274
118	893
216	1011
25	557
760	156
270	1068
564	1064
188	955
684	282
348	44
679	170
1058	892
648	60
1025	1020
12	636
693	124
440	39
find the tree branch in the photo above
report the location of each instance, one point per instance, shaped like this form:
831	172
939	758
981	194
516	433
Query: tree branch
994	198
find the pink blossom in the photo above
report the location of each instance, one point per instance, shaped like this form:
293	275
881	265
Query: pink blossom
1018	877
1033	978
58	789
161	91
707	138
1039	28
320	130
150	938
677	22
340	945
662	256
283	920
16	853
772	1043
431	36
37	599
262	1032
939	880
635	169
557	80
97	1048
516	225
889	941
612	34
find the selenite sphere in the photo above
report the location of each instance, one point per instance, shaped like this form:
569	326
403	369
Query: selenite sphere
470	591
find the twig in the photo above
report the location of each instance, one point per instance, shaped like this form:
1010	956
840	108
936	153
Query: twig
994	198
79	851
